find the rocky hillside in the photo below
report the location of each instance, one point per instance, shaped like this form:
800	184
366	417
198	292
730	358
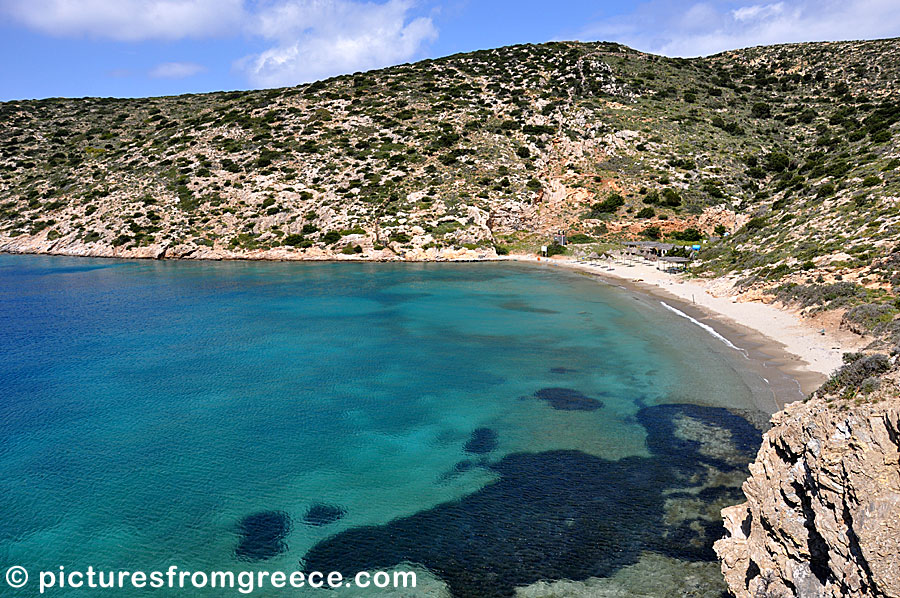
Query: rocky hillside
788	148
821	519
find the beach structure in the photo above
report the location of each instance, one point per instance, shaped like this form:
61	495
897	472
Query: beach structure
649	251
656	253
648	248
674	263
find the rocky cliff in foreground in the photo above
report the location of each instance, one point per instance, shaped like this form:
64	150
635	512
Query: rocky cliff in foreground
822	517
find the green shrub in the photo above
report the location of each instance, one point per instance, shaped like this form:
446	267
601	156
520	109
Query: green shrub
734	129
756	223
608	206
779	271
807	116
331	237
647	212
761	110
755	172
684	163
293	240
826	190
580	239
555	249
829	295
671	198
652	232
538	129
868	317
713	190
777	162
852	375
230	165
688	235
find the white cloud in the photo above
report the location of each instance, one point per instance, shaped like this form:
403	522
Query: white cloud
127	20
756	11
176	70
691	28
308	39
319	38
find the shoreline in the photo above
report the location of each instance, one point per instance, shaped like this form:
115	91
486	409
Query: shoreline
775	336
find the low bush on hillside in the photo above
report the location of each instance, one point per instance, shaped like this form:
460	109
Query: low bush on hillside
555	249
826	295
688	235
580	239
652	232
868	317
608	206
858	374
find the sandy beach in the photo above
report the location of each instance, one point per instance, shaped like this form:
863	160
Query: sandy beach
809	350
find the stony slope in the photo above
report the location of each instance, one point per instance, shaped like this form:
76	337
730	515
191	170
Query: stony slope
821	519
790	147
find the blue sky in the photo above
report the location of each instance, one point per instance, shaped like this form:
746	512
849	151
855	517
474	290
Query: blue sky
131	48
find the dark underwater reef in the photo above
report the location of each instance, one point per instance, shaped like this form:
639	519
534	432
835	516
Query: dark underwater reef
321	514
263	535
482	441
560	514
568	399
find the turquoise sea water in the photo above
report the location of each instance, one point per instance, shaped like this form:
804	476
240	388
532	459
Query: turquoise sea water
148	408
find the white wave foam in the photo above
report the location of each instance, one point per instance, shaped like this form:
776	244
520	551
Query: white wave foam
706	327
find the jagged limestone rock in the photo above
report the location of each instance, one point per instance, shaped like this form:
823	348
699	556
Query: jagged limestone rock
822	517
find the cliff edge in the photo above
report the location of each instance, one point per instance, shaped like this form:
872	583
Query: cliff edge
822	517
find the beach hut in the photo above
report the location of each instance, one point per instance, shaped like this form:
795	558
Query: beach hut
675	263
648	250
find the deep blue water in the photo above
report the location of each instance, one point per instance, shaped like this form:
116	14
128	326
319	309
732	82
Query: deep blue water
495	424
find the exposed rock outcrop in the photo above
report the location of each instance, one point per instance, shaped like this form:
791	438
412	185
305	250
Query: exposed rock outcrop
822	517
